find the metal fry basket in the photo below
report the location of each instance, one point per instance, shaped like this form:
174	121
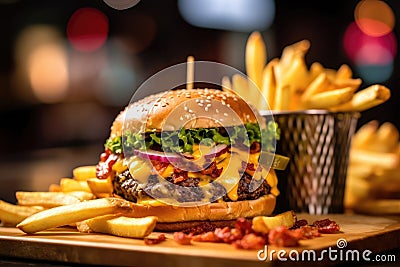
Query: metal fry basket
317	142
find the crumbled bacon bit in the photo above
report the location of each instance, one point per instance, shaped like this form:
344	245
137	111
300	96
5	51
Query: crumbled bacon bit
182	238
327	226
244	225
308	231
159	166
299	223
179	175
212	170
153	241
250	241
242	235
283	237
206	237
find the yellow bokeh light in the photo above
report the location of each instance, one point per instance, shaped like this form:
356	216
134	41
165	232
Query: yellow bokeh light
374	17
48	72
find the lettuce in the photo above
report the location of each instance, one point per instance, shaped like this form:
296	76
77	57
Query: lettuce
182	141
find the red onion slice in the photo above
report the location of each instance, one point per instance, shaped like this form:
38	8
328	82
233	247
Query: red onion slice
158	155
217	151
175	157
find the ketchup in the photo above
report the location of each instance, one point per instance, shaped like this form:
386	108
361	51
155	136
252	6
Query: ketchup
104	167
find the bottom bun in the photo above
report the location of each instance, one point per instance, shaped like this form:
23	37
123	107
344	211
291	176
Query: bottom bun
221	211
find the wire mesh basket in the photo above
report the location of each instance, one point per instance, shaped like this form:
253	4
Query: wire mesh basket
317	142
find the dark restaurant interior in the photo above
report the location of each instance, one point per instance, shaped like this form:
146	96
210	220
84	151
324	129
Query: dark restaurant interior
59	94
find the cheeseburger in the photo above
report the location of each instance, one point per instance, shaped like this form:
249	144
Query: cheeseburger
193	156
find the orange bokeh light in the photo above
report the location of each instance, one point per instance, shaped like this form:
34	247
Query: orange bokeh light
374	17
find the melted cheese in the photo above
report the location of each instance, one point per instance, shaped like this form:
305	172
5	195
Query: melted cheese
139	169
168	171
151	202
233	194
119	166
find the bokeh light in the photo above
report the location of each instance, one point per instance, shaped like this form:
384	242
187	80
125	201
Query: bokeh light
372	55
87	29
375	73
40	75
355	39
48	73
116	79
235	15
121	4
374	17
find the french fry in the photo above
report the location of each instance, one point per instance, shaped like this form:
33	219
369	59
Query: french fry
315	70
226	84
282	97
376	159
264	224
365	99
240	85
82	195
100	187
331	74
119	225
269	84
11	215
319	84
70	185
82	173
256	57
329	98
360	170
51	199
65	215
375	207
45	199
365	135
352	83
298	49
387	137
54	188
295	75
344	72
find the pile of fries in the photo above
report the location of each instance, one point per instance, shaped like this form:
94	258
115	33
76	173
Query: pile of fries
83	201
374	169
287	84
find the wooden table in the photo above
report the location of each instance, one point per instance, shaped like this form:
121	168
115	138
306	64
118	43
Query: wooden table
377	234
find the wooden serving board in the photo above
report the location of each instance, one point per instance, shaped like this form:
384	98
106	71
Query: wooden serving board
376	234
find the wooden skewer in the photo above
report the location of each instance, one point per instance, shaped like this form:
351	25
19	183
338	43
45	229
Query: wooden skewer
190	72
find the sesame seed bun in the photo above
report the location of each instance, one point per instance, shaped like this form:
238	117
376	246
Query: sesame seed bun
172	110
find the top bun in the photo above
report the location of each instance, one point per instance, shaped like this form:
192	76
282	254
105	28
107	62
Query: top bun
187	108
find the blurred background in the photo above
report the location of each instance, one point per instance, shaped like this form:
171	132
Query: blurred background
68	67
